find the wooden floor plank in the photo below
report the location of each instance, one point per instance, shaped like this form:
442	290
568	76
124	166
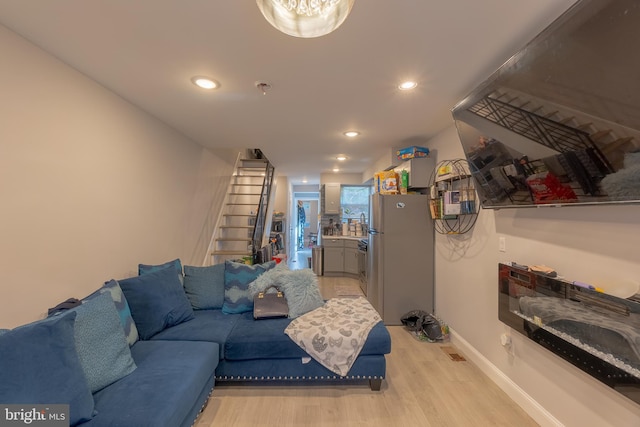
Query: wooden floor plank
424	387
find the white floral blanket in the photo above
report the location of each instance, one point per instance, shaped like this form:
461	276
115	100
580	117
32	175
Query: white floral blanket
335	333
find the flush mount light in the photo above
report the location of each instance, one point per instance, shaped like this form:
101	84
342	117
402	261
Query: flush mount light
205	82
408	85
336	170
352	133
305	18
341	158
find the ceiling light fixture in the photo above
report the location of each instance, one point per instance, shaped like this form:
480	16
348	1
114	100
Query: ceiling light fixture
341	158
408	85
205	82
305	18
336	170
352	133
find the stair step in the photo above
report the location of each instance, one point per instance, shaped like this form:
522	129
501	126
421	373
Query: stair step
612	146
551	114
245	215
245	194
245	253
566	120
233	239
240	184
600	134
248	227
242	204
584	126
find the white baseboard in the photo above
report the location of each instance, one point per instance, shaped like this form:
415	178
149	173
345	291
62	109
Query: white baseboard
526	402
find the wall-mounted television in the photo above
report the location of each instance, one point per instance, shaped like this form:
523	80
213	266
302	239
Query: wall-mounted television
559	122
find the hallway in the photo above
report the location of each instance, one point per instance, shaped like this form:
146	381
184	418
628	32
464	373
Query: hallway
301	259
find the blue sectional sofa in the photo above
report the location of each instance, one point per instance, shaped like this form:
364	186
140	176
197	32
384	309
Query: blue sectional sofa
166	339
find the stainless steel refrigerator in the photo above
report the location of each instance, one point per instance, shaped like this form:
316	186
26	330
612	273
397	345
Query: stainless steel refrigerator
401	258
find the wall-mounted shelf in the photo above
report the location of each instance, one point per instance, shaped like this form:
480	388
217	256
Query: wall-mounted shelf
452	197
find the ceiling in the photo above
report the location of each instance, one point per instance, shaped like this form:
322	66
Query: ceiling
147	51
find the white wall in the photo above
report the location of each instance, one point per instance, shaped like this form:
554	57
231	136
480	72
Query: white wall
582	243
341	178
90	185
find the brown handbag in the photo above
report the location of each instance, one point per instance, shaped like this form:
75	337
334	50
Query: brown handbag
270	305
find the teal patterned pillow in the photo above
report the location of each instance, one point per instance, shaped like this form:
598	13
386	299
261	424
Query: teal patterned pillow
124	312
100	342
237	277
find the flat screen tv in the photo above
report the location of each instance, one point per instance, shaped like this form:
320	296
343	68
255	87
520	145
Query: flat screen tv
559	122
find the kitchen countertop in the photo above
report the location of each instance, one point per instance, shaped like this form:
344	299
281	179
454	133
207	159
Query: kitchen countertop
324	236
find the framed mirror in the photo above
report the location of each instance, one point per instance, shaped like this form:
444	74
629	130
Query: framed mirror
559	122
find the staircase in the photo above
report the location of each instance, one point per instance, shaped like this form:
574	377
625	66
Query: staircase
241	227
556	126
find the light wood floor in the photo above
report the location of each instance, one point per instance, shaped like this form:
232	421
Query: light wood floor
423	388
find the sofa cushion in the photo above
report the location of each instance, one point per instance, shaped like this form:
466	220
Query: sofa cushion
170	378
207	325
204	286
265	339
100	342
300	287
150	268
237	277
157	301
112	287
39	365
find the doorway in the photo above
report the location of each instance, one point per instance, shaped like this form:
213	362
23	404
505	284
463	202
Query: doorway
305	234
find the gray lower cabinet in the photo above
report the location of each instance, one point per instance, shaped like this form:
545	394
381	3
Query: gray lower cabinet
340	257
351	257
333	255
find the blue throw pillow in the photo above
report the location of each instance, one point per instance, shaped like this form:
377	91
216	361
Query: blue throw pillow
147	268
204	286
237	277
39	365
100	342
157	301
112	287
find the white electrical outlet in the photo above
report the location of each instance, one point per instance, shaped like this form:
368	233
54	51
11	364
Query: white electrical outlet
502	244
505	340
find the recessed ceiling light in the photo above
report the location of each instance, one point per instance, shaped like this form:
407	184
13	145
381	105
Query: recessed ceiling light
352	133
336	170
205	82
304	181
408	85
341	158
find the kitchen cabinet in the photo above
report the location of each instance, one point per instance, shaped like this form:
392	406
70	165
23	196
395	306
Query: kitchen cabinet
333	256
351	257
420	170
340	257
331	196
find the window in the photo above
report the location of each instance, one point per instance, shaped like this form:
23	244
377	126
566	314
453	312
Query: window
354	201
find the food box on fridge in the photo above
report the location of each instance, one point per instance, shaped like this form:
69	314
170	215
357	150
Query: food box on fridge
386	182
412	152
